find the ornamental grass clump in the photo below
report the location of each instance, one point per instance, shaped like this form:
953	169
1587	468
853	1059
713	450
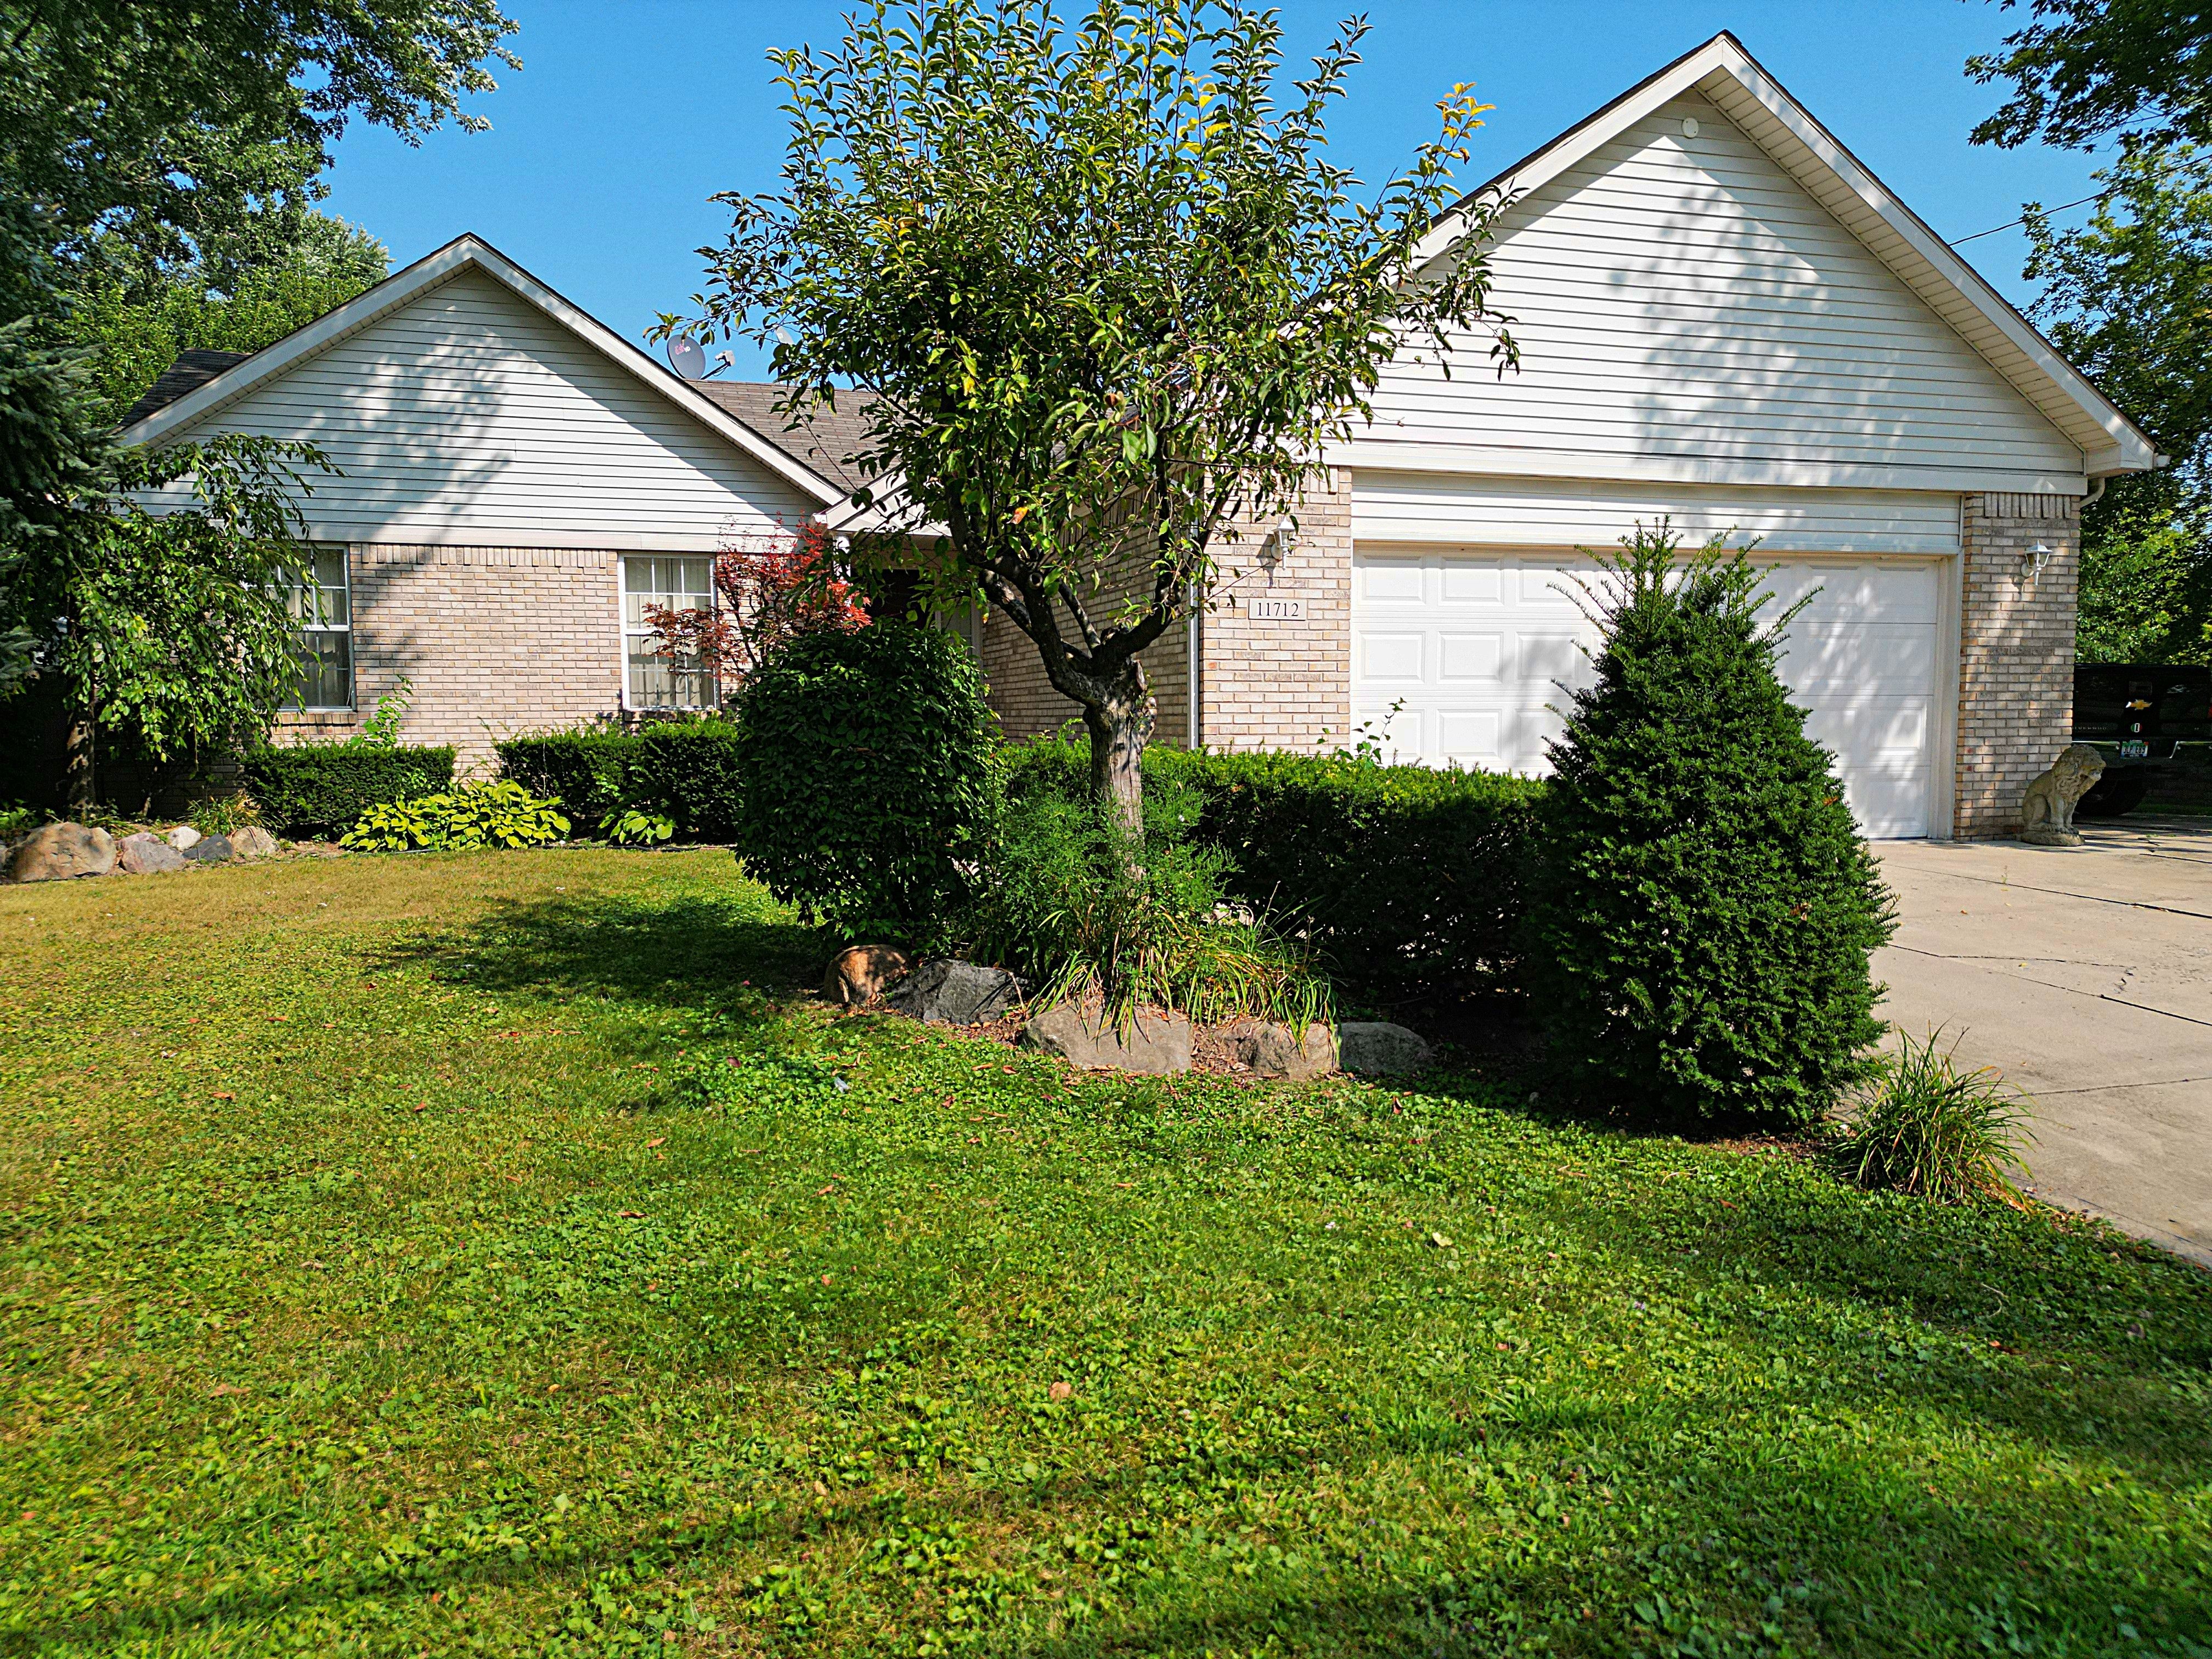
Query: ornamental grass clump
1698	946
1932	1130
1088	913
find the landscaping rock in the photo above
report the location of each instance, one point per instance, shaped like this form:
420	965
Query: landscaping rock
146	854
209	849
183	837
860	975
252	842
1272	1050
945	993
60	852
1376	1047
1156	1043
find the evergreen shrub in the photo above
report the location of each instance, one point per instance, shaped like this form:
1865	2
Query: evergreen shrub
683	770
868	784
1698	948
321	787
1407	882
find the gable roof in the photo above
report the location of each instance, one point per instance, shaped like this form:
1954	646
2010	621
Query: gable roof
823	439
200	387
192	370
1727	77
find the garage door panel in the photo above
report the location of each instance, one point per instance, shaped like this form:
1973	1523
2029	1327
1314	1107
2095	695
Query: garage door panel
1391	658
1463	657
1484	650
1387	581
1887	661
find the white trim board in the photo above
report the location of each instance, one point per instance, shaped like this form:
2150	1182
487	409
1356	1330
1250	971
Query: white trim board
1728	77
463	253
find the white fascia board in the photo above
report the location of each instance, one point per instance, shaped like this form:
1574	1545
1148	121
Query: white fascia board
1488	461
1730	77
467	253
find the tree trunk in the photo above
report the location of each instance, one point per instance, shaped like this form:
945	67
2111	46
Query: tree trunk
1117	726
77	770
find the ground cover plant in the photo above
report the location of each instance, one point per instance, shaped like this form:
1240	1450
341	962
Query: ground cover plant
392	1260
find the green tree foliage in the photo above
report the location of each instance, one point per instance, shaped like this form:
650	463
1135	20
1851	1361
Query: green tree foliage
2126	295
1104	297
2084	69
1698	947
173	629
137	315
868	790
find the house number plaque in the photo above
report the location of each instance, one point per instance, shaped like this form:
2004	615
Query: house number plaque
1273	607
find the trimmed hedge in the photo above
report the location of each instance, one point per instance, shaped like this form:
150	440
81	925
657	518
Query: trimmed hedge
1411	883
324	786
688	767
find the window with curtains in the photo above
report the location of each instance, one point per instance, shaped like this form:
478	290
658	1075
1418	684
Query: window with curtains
323	604
671	581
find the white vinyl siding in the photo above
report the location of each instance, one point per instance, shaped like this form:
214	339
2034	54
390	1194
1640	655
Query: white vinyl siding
1496	512
651	677
468	417
1468	657
1682	300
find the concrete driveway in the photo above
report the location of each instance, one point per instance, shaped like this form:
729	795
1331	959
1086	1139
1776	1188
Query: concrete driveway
2085	975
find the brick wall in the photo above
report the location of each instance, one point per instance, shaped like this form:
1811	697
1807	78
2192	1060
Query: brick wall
496	640
1264	684
2016	652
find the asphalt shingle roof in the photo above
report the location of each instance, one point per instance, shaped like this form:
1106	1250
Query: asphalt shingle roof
823	439
191	371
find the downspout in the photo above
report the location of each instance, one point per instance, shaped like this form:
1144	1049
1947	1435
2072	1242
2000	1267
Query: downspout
1197	682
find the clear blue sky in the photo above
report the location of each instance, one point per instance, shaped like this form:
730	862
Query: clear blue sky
628	114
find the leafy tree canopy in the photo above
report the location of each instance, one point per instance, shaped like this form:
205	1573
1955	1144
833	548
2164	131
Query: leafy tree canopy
2086	70
1103	298
135	315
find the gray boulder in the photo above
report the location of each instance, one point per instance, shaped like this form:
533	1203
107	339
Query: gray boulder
183	837
252	842
1272	1050
145	854
945	993
1376	1048
60	852
1156	1044
209	849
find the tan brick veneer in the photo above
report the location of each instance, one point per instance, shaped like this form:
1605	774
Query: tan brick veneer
2015	653
496	640
1264	684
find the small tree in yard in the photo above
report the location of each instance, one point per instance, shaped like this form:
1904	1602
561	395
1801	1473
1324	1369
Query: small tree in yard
1102	296
770	587
175	630
1698	947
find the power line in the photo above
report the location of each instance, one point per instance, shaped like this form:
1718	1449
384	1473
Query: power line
2022	220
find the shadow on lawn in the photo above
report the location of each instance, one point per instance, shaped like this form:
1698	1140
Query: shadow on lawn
685	952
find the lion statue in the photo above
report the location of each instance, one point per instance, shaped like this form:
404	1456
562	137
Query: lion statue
2047	811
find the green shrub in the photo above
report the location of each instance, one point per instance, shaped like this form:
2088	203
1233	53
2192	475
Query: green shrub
1081	914
1931	1129
320	787
503	814
1407	882
1699	949
868	784
637	826
683	770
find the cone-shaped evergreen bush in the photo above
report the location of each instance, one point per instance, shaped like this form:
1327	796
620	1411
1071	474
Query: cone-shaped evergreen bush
1698	945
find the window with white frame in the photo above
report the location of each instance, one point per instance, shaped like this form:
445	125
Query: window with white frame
669	581
322	605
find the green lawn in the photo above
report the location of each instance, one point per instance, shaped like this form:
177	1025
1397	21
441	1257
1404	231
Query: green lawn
390	1262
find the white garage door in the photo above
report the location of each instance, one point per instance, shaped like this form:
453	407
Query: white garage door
1480	648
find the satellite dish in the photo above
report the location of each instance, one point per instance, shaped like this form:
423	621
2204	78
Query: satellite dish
687	357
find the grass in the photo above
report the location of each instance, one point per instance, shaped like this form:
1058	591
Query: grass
392	1261
1928	1128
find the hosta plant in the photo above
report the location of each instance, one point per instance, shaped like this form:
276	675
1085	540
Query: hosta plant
476	815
